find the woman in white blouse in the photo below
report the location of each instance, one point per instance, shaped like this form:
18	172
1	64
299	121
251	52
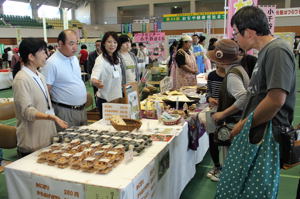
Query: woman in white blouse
107	74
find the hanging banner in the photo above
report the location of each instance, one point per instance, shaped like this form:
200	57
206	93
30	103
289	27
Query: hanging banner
19	38
159	26
126	28
233	7
143	27
194	16
154	42
155	26
287	12
270	12
147	27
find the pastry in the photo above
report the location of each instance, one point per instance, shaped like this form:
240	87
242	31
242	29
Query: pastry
55	146
117	120
87	164
102	166
63	161
75	142
42	157
76	160
53	156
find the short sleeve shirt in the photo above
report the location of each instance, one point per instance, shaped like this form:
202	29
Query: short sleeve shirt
180	58
84	56
64	75
275	69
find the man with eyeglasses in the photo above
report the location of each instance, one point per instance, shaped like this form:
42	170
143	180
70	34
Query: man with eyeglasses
63	77
271	97
271	92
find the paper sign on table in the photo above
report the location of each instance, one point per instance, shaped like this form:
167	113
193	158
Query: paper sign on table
110	109
145	183
44	188
101	192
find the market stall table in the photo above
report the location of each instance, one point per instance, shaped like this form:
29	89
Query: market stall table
161	171
5	79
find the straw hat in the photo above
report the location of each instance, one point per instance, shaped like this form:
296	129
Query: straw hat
186	38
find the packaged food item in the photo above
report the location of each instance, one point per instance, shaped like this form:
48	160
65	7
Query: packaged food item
53	156
55	146
96	145
112	155
75	160
75	142
75	149
87	152
103	166
99	154
107	147
42	157
119	148
87	165
63	161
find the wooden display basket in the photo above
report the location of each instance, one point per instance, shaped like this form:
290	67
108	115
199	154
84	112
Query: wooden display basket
131	124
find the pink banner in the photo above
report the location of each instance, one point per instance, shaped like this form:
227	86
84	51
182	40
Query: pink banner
233	7
154	42
270	12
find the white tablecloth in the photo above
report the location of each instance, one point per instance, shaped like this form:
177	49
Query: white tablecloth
137	179
5	80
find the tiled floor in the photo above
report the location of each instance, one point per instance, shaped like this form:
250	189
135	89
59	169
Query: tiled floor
200	186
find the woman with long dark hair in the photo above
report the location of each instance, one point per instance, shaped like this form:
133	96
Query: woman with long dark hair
34	112
107	73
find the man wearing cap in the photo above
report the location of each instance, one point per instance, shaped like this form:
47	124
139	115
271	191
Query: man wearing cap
271	93
186	69
63	77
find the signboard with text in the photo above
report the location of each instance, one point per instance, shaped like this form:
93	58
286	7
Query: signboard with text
154	42
286	12
270	12
44	188
110	109
233	7
194	16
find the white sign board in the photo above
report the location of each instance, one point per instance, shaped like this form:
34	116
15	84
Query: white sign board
43	188
110	109
166	84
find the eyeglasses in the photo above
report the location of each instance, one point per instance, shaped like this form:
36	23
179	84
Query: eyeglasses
234	34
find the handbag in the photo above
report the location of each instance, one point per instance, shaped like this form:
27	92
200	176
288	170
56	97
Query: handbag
250	170
222	134
289	147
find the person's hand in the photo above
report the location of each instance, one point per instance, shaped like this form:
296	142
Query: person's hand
98	83
213	101
60	122
237	128
218	116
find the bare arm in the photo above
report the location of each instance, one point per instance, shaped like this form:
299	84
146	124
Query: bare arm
227	112
44	116
97	83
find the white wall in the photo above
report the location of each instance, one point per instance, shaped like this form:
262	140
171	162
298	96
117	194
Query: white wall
83	15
